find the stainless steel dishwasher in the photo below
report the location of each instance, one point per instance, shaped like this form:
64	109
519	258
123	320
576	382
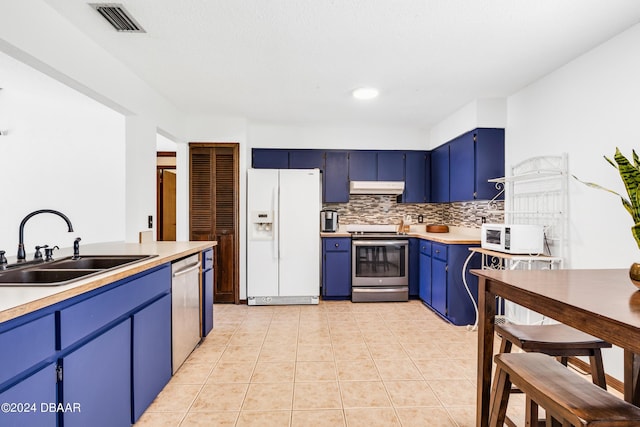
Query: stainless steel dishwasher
185	308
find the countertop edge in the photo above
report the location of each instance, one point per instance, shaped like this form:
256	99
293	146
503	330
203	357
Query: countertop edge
79	287
448	238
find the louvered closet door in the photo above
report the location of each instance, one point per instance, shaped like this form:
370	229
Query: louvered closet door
214	210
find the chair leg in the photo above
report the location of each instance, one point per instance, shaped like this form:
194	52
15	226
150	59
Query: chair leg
499	398
531	413
597	369
505	346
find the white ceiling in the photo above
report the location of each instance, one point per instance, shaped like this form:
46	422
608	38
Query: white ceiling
296	61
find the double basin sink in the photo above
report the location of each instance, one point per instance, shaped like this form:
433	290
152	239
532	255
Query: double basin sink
64	270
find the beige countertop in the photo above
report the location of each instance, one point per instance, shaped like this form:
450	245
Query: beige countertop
456	235
16	301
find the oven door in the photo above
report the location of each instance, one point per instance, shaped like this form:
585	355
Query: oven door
382	263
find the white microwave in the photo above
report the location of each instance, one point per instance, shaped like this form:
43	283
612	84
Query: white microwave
513	238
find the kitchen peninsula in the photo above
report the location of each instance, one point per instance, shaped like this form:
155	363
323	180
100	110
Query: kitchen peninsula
101	344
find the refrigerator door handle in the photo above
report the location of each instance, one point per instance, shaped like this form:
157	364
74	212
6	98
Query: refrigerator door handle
275	193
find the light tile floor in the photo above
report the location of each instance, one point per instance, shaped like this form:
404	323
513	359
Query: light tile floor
332	364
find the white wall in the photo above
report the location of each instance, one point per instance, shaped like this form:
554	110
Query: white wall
337	137
63	151
487	112
586	109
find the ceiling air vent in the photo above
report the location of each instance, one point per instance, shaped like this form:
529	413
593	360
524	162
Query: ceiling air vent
118	16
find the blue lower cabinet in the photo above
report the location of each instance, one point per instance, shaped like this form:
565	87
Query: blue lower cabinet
151	353
207	292
414	267
336	268
439	285
97	378
424	266
31	402
460	308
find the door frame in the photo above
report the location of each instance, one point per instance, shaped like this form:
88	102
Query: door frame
159	194
235	146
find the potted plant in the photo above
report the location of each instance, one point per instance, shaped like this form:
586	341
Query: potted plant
630	175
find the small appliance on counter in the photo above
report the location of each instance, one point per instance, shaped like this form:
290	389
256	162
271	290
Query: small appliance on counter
328	220
513	238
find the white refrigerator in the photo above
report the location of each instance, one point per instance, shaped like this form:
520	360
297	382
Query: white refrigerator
283	236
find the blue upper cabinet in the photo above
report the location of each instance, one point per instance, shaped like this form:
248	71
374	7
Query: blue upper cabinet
336	179
489	162
417	179
476	157
440	174
270	158
390	166
363	165
461	168
306	159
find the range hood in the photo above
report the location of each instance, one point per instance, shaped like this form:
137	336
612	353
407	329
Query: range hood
376	187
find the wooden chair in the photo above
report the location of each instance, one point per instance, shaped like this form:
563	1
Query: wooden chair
567	398
556	340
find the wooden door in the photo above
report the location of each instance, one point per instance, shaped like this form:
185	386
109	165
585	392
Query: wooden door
169	205
213	213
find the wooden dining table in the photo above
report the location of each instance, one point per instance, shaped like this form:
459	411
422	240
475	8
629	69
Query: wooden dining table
603	303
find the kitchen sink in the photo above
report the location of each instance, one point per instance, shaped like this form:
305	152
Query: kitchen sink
37	276
65	270
91	262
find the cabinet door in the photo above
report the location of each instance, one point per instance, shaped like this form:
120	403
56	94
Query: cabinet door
440	174
28	396
270	158
336	177
390	166
439	285
363	165
336	268
151	353
425	276
460	309
414	267
97	376
462	168
489	161
306	159
415	181
207	301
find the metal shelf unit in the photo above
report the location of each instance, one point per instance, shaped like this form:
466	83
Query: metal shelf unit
535	193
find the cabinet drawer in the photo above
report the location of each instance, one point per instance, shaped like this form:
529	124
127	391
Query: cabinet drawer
26	345
334	244
425	247
85	317
207	259
439	251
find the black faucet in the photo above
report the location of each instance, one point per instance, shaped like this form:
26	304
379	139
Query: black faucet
76	248
22	256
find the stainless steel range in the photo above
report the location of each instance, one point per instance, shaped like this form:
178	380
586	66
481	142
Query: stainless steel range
380	263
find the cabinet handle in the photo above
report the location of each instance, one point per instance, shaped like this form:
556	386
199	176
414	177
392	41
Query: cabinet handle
437	251
337	245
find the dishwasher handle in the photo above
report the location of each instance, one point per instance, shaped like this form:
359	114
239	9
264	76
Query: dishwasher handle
187	269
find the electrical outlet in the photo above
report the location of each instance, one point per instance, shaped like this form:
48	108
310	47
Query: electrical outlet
484	219
150	221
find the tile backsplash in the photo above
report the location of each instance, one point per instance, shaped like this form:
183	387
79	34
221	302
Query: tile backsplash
383	209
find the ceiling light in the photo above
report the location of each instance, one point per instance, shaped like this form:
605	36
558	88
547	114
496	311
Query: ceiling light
365	93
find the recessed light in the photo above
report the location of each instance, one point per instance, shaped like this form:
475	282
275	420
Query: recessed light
365	93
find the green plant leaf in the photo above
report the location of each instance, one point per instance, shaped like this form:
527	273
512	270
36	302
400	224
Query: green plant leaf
630	175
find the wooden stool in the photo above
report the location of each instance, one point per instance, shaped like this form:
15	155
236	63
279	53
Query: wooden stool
567	398
556	340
